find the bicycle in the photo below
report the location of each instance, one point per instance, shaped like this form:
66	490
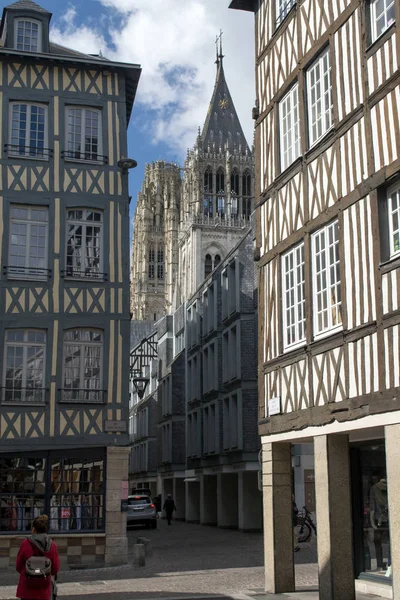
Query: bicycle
304	526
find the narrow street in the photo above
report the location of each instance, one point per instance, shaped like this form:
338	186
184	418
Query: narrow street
187	561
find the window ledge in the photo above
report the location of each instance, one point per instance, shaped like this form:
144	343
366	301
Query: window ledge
296	346
390	265
326	137
83	161
328	333
22	157
102	279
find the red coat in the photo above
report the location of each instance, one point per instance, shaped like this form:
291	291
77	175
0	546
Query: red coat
31	588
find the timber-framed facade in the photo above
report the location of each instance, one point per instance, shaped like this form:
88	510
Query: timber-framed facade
328	177
64	290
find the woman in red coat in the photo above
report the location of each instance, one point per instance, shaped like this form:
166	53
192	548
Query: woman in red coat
38	544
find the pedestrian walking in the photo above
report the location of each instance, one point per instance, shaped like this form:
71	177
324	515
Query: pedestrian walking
37	563
169	507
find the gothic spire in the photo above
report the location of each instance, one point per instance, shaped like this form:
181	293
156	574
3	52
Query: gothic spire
222	126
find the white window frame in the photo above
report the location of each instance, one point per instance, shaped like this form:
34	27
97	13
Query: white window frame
324	114
28	272
324	296
92	272
29	150
283	8
69	153
394	248
74	394
24	20
389	4
294	313
289	127
25	344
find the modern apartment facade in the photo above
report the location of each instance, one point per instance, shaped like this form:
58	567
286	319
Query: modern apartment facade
64	291
327	145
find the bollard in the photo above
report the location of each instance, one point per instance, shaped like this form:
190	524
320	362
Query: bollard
139	556
146	543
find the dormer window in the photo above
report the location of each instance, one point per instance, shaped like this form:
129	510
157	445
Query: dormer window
28	35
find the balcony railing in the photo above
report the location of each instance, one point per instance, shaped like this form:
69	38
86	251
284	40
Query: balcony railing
23	396
28	151
85	156
219	220
26	272
82	396
89	273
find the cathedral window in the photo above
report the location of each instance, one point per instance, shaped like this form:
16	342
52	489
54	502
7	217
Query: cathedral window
208	191
220	181
208	265
235	181
151	269
217	260
160	264
246	195
234	192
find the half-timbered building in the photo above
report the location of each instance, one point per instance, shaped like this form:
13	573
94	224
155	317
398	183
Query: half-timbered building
328	245
64	290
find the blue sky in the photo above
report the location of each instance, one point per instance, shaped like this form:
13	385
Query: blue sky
173	40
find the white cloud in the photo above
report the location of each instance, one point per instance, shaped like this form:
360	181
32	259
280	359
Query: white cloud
173	41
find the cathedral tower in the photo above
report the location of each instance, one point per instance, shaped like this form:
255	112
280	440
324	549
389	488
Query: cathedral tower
155	242
217	191
184	227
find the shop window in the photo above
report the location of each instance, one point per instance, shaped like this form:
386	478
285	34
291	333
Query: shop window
371	509
69	488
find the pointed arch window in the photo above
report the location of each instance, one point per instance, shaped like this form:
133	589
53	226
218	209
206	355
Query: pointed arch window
221	193
234	192
152	257
208	265
160	264
208	192
217	260
246	195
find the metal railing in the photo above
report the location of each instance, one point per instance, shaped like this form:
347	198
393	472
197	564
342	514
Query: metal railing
19	396
28	151
85	156
29	272
223	220
82	396
88	273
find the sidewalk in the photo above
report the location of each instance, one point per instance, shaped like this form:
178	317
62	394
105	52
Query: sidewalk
304	595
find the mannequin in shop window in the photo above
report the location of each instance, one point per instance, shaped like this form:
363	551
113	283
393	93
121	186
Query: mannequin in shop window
379	517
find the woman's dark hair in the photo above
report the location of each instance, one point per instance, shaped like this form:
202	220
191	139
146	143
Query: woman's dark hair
40	523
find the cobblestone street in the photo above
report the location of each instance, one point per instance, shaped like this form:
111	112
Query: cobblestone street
186	561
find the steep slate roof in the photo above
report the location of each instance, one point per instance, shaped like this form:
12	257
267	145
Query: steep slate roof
222	123
27	5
